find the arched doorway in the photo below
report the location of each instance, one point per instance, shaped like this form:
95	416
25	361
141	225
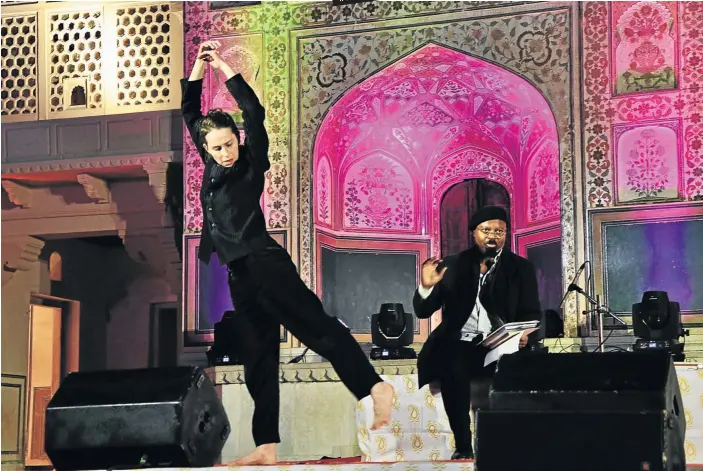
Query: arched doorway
459	203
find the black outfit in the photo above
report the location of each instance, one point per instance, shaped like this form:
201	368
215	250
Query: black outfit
509	294
264	283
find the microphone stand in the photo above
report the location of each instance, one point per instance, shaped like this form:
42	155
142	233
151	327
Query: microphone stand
600	310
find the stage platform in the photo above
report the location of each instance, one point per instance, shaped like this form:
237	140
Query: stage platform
320	418
353	464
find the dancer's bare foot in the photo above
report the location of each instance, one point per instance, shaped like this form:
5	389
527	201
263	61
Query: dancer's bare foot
382	395
263	454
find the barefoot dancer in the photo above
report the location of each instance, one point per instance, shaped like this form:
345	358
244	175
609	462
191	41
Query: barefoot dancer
264	283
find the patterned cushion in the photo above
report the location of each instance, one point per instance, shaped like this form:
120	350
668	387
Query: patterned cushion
418	431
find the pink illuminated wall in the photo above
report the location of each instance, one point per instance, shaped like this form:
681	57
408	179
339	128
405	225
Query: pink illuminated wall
643	102
395	143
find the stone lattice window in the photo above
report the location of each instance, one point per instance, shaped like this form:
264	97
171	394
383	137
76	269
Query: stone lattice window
144	55
75	51
19	65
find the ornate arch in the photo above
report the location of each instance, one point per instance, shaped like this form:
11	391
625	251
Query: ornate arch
516	43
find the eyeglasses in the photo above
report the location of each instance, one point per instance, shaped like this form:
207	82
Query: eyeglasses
488	232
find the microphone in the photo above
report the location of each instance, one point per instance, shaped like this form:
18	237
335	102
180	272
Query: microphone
573	287
576	277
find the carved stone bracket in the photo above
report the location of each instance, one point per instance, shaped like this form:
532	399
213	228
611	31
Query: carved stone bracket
96	188
156	248
19	253
20	195
157	178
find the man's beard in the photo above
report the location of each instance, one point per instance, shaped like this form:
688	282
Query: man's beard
490	251
489	255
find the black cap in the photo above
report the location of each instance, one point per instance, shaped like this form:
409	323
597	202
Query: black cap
488	213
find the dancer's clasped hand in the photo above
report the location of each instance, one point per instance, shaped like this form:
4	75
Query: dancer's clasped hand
207	49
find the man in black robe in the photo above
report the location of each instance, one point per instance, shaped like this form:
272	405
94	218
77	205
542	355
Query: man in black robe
478	290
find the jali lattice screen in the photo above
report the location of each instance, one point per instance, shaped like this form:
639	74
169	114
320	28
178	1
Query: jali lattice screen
19	65
73	59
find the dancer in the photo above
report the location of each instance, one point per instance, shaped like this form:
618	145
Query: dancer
264	283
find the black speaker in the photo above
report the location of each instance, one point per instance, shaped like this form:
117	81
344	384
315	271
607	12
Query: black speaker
583	411
134	419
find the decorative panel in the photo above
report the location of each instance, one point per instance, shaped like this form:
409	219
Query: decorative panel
647	161
19	65
644	46
324	193
543	181
75	54
378	194
144	55
244	55
207	296
661	36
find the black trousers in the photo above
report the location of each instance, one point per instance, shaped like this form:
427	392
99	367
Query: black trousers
465	363
267	292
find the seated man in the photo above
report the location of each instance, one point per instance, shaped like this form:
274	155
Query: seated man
479	290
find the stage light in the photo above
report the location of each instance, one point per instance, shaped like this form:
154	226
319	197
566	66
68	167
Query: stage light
657	324
391	333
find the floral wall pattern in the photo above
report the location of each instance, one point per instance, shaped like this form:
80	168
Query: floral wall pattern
377	194
641	67
326	60
324	193
680	97
647	169
644	43
534	46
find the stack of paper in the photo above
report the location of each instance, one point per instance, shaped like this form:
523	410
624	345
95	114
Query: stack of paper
506	339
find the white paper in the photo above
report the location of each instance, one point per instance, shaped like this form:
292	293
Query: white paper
509	346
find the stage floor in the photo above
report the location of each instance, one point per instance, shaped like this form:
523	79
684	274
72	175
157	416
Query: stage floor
355	464
333	465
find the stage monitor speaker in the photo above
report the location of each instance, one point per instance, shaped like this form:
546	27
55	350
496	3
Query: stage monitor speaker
583	411
128	419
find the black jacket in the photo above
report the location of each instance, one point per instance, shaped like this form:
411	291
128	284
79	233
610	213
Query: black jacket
233	222
509	295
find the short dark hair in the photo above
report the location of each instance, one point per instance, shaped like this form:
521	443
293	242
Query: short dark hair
216	119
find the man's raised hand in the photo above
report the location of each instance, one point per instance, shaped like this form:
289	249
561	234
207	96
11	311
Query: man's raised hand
429	275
